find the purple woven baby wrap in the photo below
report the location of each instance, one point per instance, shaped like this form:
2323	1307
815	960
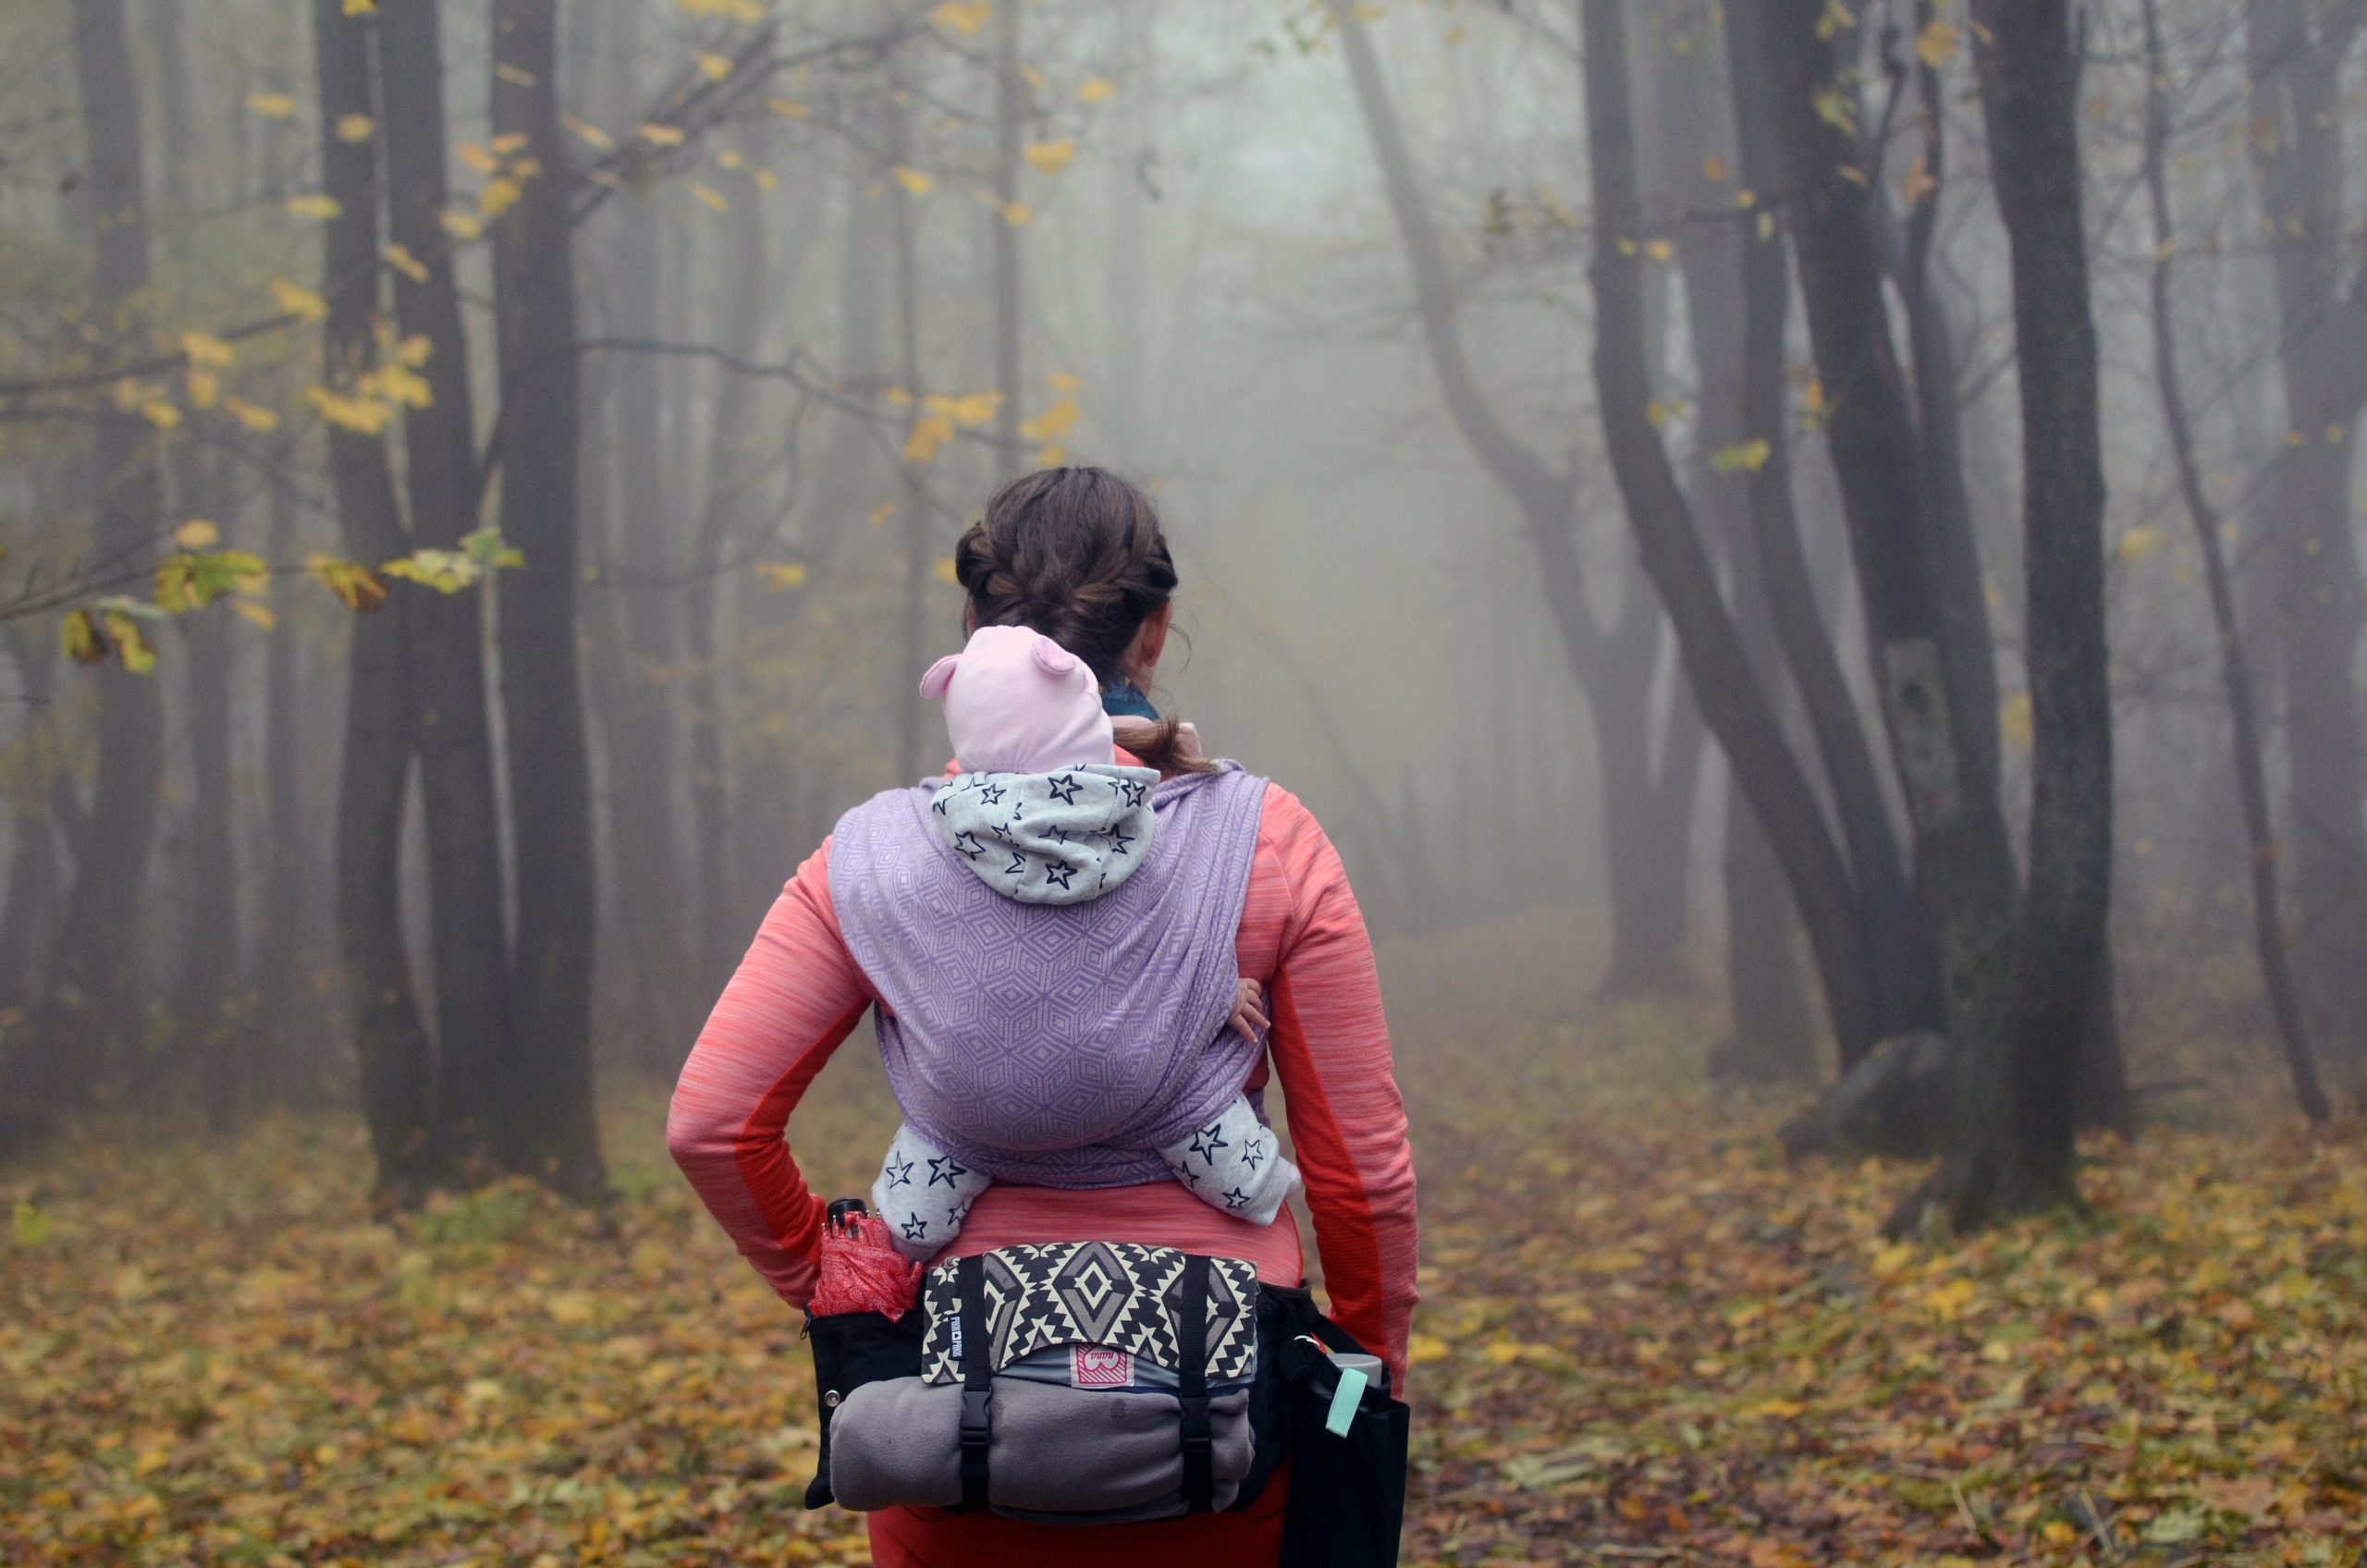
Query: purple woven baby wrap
1055	1046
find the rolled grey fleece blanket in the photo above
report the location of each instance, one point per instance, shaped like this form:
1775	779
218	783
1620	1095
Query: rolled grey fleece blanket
896	1444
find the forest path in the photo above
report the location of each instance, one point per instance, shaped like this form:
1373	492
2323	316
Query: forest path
1643	1339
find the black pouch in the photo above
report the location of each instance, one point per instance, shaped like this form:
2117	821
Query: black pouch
849	1350
1347	1502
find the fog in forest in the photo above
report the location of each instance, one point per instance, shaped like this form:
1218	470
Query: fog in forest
479	482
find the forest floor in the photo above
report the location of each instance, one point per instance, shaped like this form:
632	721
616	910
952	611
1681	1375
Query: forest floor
1643	1339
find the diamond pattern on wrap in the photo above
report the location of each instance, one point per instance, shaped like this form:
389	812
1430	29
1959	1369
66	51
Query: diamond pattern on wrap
1055	1045
1113	1293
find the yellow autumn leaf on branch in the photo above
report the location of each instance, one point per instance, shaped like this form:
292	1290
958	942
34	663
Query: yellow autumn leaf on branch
1096	90
78	638
204	388
1832	107
204	349
962	19
1053	423
160	413
500	193
589	132
661	135
355	128
261	420
197	534
130	639
2137	544
460	225
778	575
789	109
975	408
1062	380
715	68
354	584
1937	44
930	433
363	416
880	514
1744	457
1050	157
913	181
400	258
946	571
272	105
321	209
711	196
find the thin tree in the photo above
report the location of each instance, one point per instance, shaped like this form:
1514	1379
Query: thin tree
389	1030
91	1005
547	1123
2235	665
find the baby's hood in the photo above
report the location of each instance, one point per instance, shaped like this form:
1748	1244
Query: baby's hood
1017	701
1057	838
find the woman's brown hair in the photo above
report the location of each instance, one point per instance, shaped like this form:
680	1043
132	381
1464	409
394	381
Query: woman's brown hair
1077	554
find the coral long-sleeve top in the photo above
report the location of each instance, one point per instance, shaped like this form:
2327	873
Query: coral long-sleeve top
799	993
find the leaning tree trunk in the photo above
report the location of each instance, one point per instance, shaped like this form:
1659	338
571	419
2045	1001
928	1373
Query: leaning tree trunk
1908	989
389	1032
2012	1147
473	1007
1964	861
2235	669
90	1014
2300	156
1731	700
1774	1033
1602	662
548	1127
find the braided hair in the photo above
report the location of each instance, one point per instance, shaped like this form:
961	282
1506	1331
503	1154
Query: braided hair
1077	555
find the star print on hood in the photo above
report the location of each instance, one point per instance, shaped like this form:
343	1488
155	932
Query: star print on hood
1058	838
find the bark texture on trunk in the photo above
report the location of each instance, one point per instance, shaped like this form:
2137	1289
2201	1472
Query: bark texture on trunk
389	1030
548	1120
2013	1147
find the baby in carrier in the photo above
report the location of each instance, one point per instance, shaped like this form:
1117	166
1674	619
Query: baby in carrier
1026	720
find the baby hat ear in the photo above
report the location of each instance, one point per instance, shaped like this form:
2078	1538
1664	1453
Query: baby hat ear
940	676
1053	657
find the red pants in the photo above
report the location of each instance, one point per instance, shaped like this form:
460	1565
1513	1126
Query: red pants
905	1537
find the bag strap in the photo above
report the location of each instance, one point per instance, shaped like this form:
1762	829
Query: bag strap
1192	1385
977	1380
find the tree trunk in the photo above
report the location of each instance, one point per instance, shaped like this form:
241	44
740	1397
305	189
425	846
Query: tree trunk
915	526
1773	1035
1547	502
1906	976
548	1127
473	1006
389	1032
2299	161
91	1011
642	640
1647	812
2012	1148
1731	700
2235	671
1964	861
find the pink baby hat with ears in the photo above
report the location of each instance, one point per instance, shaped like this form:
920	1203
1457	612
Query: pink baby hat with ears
1017	701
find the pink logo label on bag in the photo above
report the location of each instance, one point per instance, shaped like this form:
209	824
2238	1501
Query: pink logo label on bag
1095	1367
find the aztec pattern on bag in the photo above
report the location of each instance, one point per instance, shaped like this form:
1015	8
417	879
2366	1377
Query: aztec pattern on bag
1113	1294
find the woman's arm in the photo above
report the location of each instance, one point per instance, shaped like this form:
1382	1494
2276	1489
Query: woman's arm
795	996
1347	1121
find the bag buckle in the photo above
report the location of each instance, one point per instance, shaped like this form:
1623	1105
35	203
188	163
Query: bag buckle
976	1429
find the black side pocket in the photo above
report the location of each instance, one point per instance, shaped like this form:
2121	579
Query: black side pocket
849	1350
1347	1503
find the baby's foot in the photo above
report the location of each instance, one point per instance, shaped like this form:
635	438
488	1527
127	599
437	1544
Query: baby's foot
923	1193
1235	1164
